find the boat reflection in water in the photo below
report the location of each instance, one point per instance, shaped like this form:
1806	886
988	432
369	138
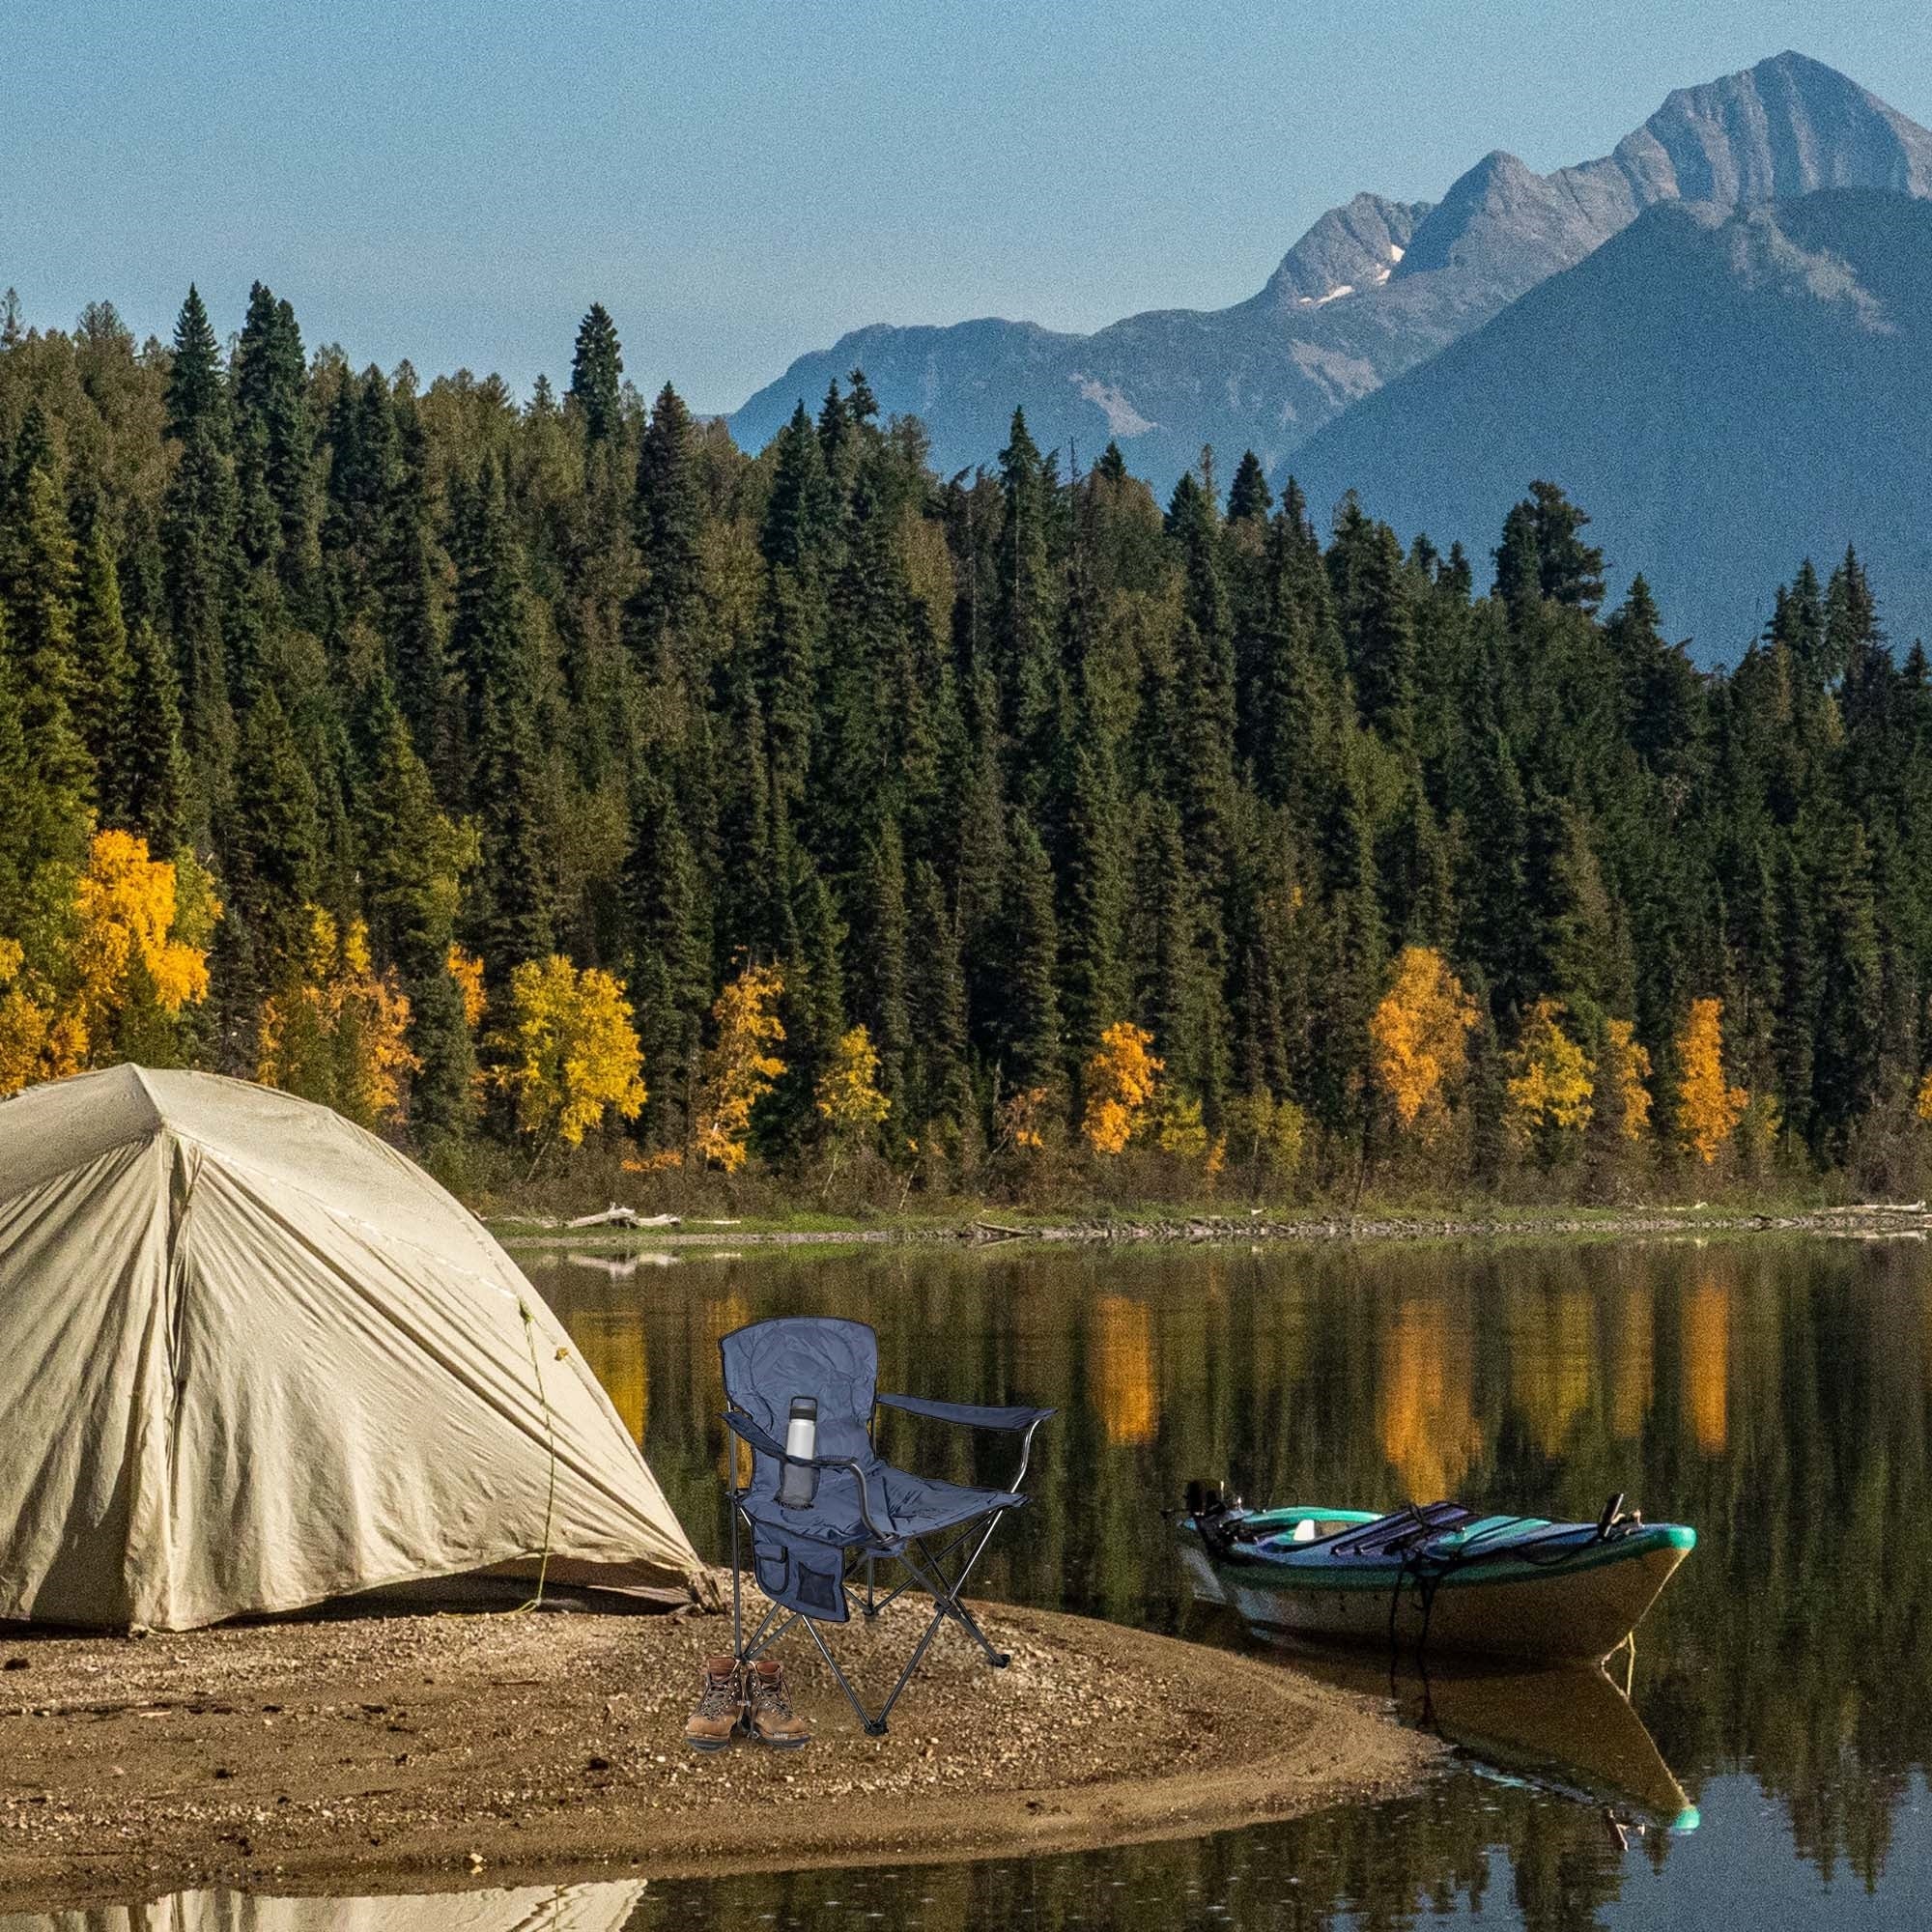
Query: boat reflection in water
1567	1729
560	1908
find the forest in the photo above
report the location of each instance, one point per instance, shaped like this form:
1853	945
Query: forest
554	787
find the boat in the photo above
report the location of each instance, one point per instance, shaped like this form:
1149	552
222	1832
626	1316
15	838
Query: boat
1436	1575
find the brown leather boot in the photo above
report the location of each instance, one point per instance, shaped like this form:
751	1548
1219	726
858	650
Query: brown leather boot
721	1710
772	1721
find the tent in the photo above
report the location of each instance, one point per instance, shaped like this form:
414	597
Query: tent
251	1359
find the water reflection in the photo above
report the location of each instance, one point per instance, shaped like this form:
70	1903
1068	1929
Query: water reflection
1775	1396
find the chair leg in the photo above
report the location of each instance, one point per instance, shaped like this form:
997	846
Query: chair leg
947	1604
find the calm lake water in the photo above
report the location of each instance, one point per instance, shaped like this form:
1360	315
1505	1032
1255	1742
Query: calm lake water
1777	1396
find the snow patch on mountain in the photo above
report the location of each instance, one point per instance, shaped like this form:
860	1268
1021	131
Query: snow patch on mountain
1122	418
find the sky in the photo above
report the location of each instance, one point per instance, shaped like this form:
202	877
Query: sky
739	182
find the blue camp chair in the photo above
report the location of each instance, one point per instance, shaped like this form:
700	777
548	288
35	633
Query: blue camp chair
860	1508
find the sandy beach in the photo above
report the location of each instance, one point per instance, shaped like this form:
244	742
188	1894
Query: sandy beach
417	1752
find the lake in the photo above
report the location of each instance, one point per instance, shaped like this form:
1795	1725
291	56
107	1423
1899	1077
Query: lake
1773	1394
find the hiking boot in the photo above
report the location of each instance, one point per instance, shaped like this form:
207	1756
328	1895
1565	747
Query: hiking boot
772	1721
721	1710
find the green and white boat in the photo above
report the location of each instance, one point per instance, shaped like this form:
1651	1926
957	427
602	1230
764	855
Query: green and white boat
1434	1573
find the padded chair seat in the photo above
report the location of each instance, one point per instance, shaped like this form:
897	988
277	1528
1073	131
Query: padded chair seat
916	1506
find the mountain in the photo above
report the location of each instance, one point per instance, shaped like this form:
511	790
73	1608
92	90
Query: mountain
1724	395
1373	289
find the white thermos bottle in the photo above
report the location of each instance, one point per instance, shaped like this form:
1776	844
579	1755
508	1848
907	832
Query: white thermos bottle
797	1487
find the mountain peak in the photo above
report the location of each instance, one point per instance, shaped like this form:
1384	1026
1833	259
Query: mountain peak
1351	248
1787	127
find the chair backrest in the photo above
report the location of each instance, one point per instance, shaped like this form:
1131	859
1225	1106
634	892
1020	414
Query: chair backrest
834	1362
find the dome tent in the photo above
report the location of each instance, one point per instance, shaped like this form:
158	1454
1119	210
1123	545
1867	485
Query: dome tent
252	1358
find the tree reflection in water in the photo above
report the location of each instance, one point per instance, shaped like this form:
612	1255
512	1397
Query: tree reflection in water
1773	1394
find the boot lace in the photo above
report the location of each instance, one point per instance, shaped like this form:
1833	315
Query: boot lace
721	1697
769	1694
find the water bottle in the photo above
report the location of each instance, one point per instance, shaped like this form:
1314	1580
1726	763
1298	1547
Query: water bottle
797	1487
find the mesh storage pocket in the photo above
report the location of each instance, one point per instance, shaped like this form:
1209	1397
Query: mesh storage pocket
801	1576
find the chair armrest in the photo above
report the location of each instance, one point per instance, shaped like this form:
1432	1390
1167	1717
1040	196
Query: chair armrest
966	1414
762	1441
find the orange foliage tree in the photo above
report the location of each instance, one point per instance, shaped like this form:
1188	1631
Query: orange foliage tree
739	1069
1708	1107
1121	1081
1419	1039
338	1033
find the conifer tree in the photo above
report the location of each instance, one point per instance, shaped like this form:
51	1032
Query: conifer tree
104	671
39	585
197	395
148	782
1029	1029
596	372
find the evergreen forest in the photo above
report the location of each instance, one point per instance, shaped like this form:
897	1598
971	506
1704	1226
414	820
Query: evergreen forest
554	786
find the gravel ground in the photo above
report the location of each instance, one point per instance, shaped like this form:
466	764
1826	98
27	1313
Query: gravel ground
349	1755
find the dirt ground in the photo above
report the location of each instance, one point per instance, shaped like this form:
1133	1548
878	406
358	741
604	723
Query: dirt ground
406	1753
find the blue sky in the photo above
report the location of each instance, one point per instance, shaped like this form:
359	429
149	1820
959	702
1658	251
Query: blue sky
741	181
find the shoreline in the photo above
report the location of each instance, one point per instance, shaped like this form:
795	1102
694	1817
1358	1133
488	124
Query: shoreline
1867	1222
344	1757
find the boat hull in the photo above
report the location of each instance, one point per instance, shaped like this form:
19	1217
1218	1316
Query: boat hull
1574	1612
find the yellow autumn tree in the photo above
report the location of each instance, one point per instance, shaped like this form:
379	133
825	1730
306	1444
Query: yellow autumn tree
1264	1131
466	970
1418	1035
1178	1127
132	955
38	1041
1708	1107
1622	1074
566	1052
1121	1081
739	1069
338	1031
1550	1082
848	1099
1923	1105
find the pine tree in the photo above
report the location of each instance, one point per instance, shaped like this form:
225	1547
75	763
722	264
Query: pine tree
669	975
1026	662
275	447
39	585
104	671
937	1082
490	644
1029	1029
596	370
1249	498
148	781
197	395
878	971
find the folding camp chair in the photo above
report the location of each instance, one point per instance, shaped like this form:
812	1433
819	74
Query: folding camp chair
860	1508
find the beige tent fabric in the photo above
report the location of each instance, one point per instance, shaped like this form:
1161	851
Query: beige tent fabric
252	1358
566	1908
